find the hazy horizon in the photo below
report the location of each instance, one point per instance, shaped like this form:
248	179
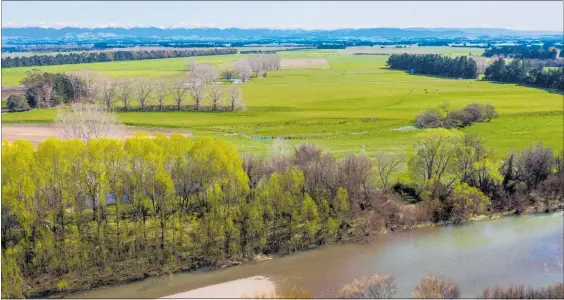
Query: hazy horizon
312	15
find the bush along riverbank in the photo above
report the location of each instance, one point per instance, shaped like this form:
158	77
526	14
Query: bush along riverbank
78	215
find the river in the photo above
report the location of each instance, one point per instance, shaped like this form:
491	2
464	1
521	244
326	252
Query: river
524	249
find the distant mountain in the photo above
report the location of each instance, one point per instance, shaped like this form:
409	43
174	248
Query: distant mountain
238	33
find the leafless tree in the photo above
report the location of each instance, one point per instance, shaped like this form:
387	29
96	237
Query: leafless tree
387	163
86	121
379	286
178	92
520	291
264	62
206	73
432	286
125	88
482	63
429	118
243	69
84	82
255	168
534	165
256	64
279	156
354	174
162	90
236	99
270	61
107	91
434	159
191	65
143	88
45	94
198	94
76	84
215	95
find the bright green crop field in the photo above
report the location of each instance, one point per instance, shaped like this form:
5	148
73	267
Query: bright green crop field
356	104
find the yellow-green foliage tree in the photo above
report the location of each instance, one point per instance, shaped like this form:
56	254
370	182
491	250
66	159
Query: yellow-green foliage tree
466	201
120	209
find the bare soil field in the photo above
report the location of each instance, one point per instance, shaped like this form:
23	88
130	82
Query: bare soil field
11	90
310	63
37	133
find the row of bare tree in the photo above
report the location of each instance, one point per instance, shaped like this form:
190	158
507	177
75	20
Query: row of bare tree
154	93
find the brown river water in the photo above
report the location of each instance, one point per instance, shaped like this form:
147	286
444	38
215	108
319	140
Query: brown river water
524	249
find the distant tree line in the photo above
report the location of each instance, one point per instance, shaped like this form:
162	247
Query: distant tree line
434	43
332	46
546	51
106	56
77	214
435	64
258	51
521	72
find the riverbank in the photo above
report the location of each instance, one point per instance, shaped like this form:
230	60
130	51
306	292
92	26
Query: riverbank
509	250
128	274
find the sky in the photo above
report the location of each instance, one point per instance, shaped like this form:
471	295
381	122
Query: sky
520	15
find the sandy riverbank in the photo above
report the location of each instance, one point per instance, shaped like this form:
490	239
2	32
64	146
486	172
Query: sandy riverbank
241	288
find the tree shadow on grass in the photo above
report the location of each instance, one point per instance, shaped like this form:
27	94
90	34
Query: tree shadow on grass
550	90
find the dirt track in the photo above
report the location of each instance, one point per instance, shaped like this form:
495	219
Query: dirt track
37	133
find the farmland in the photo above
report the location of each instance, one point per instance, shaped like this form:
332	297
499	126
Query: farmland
356	104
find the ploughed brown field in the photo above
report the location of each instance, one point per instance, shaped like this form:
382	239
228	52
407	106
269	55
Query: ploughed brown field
38	133
11	90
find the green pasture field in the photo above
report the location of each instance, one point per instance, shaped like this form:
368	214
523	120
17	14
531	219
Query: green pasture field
356	105
150	68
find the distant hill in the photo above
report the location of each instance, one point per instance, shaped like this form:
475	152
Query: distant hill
238	33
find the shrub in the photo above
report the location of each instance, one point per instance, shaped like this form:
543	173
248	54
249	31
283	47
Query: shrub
472	113
534	165
555	291
294	293
429	118
466	201
458	118
227	74
378	286
488	113
432	286
61	285
407	192
18	103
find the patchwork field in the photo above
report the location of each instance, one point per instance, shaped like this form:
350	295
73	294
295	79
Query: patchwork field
387	50
356	104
